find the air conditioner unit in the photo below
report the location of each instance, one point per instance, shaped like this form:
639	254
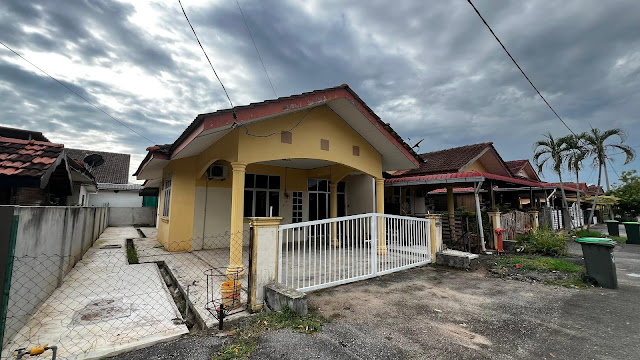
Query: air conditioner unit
217	172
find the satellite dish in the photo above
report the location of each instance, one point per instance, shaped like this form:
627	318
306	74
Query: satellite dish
93	161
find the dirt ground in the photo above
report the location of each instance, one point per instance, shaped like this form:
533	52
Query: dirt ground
438	313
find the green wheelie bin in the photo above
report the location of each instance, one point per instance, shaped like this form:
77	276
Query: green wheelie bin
598	258
633	232
612	227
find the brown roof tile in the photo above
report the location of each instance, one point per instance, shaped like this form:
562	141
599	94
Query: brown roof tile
27	157
446	161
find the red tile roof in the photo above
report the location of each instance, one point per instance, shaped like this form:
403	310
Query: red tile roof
27	157
463	177
282	105
446	161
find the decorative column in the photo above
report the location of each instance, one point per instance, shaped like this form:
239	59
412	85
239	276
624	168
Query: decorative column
382	244
333	211
494	219
534	219
237	218
435	234
264	258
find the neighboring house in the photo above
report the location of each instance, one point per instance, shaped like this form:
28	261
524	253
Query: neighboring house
36	172
112	177
471	160
311	156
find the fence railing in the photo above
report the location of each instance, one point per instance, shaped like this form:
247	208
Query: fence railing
324	253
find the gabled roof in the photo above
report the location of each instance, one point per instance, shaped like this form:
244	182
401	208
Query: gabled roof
28	158
115	169
447	160
341	99
29	163
515	166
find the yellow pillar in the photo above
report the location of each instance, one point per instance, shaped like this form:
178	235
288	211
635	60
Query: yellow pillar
435	231
382	245
451	212
333	211
237	219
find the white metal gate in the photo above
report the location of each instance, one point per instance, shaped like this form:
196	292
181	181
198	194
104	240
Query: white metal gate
324	253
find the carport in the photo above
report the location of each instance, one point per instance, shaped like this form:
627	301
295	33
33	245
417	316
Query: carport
476	181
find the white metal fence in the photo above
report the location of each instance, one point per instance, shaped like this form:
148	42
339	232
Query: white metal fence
324	253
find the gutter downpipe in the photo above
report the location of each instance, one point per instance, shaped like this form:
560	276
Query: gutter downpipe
476	190
549	197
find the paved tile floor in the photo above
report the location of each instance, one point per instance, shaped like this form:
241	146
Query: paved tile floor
189	269
104	306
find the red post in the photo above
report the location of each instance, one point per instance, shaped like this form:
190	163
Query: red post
499	233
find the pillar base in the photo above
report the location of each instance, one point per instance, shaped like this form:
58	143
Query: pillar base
382	250
335	243
232	270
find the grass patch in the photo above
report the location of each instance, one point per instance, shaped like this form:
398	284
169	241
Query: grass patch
619	239
132	253
245	338
551	270
543	241
541	264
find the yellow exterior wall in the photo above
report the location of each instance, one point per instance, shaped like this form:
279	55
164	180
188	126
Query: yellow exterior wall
176	231
476	166
320	123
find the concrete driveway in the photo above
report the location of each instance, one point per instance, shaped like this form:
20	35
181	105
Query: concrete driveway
437	313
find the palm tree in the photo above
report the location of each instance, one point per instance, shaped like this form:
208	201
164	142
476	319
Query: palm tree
550	152
595	140
575	153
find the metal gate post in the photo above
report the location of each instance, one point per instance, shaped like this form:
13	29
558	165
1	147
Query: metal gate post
374	244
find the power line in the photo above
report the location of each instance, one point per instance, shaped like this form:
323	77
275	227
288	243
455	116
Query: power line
256	47
519	68
207	56
78	95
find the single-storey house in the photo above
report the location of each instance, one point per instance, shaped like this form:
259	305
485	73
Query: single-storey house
34	172
311	156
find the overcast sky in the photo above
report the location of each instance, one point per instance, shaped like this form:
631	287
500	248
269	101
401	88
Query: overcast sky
430	68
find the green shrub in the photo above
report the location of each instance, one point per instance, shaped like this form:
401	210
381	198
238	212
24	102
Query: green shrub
543	241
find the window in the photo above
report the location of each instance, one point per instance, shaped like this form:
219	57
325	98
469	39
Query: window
319	199
296	216
167	198
261	195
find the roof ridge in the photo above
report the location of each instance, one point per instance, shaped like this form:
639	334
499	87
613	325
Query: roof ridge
99	151
21	141
488	143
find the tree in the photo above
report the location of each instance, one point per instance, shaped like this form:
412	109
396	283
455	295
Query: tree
599	149
575	152
629	192
549	152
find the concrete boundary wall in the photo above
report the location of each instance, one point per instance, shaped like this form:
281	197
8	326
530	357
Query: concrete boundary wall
50	240
128	216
